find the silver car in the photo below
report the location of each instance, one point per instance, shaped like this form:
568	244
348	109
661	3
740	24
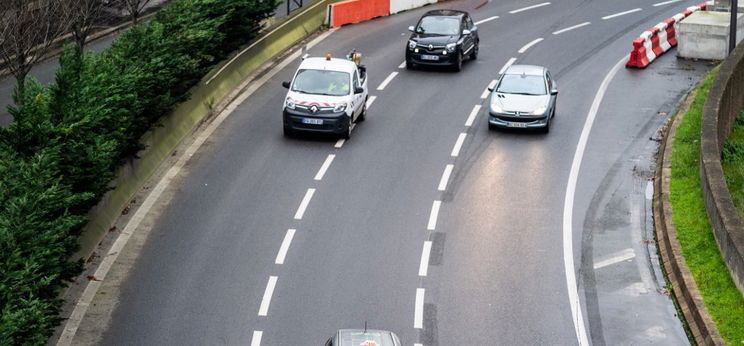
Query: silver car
363	337
524	97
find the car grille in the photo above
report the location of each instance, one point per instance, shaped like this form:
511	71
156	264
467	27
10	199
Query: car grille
306	109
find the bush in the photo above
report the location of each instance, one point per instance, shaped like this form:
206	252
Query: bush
61	152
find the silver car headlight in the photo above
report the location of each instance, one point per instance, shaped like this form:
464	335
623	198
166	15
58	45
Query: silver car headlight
451	47
540	110
339	107
289	103
411	44
495	108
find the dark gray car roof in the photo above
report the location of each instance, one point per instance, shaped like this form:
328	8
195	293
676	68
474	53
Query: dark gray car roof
454	13
530	70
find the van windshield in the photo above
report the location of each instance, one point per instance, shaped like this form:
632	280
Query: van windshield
322	82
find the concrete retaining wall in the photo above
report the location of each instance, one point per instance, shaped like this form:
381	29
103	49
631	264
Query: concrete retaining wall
211	91
723	105
402	5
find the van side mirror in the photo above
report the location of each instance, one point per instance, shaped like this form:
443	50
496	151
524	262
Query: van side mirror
285	84
553	91
358	90
362	71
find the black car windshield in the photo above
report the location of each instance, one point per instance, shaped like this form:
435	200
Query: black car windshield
322	82
522	84
439	25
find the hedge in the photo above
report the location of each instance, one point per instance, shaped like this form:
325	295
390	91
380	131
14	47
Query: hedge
59	155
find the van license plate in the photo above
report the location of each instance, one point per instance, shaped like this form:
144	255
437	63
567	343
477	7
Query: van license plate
429	57
312	121
520	125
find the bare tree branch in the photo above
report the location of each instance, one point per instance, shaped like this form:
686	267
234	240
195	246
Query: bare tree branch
84	14
134	8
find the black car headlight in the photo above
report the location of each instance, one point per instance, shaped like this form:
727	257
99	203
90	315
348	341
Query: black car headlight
411	44
451	47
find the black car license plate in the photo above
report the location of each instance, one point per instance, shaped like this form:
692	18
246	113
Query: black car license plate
429	57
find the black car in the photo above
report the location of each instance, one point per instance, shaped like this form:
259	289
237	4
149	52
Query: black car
442	38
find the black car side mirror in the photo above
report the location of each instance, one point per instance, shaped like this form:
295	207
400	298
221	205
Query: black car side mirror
285	84
554	92
490	89
358	90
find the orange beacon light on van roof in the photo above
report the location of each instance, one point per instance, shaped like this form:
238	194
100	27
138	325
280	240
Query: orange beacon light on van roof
328	57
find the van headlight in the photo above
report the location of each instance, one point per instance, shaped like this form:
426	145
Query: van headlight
289	103
339	108
539	111
451	47
411	44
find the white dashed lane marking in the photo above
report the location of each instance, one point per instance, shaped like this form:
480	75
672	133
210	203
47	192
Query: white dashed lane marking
529	7
527	46
434	215
425	253
418	312
256	341
621	256
339	143
458	144
445	177
665	3
387	80
506	66
303	205
285	246
371	100
486	91
402	65
266	301
473	114
571	28
622	13
324	167
486	20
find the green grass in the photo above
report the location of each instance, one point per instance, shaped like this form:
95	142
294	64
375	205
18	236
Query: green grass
724	302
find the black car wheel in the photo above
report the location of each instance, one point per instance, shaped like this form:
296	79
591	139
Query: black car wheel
409	64
363	115
546	129
288	132
474	54
347	134
457	66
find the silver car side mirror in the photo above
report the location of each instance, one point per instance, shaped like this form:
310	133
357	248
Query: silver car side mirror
410	28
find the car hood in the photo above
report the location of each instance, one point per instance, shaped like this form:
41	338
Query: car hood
434	40
318	100
519	103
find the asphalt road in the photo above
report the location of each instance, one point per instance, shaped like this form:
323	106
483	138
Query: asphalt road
495	274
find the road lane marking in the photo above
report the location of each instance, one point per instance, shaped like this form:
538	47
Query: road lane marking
527	46
324	167
571	28
568	259
506	66
529	7
486	91
445	177
266	301
339	143
665	3
402	65
473	114
616	258
285	246
486	20
370	100
303	205
387	80
458	145
256	341
649	190
418	312
622	13
433	215
425	253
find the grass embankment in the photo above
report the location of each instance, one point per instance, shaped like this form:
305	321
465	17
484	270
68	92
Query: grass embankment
722	299
733	163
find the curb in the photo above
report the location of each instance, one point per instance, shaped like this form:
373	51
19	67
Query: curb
684	288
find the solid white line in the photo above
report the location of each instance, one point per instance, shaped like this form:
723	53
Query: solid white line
568	259
571	28
324	167
266	301
402	65
486	20
486	91
458	145
371	100
425	253
387	80
256	341
339	143
527	46
418	344
616	258
665	3
303	205
529	7
506	66
445	177
434	215
86	299
418	312
622	13
649	190
285	246
473	114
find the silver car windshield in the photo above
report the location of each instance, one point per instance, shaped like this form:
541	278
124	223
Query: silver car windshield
522	84
438	25
322	82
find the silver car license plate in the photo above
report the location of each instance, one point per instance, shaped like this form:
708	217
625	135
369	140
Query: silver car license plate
429	57
312	121
520	125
